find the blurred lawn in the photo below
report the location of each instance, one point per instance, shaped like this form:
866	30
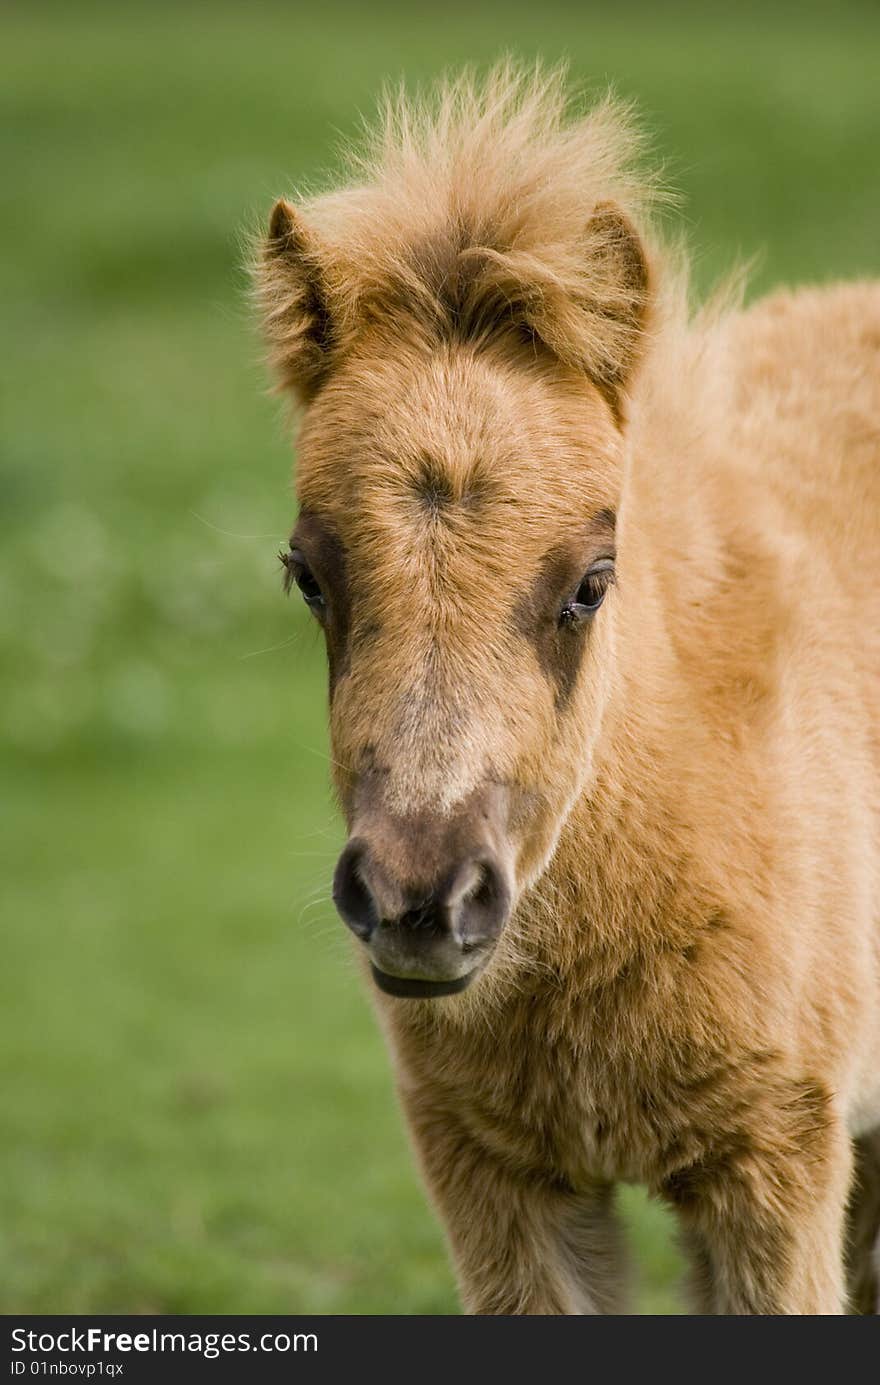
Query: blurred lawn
196	1110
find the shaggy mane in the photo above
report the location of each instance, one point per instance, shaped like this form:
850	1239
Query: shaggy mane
480	205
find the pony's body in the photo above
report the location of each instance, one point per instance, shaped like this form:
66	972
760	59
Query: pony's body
659	837
722	952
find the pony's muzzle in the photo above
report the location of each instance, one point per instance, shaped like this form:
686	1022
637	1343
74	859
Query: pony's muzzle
428	910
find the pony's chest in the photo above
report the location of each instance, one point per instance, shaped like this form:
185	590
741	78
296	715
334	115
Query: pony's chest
580	1105
554	1109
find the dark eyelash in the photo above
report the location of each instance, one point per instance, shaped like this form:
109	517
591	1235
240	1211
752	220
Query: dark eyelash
288	577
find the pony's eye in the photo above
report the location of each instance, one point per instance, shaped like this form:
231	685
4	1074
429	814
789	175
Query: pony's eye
297	570
590	594
312	594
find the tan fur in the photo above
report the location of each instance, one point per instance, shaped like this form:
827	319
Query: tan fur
688	992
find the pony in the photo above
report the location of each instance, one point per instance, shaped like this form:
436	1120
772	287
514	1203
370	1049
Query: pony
598	577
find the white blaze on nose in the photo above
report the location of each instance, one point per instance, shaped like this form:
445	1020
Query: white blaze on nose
435	772
440	749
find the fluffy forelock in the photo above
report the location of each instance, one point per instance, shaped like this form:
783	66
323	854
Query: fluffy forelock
479	201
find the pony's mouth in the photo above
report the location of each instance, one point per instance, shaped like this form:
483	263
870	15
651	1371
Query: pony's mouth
414	988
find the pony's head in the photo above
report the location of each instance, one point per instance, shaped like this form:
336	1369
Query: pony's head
461	324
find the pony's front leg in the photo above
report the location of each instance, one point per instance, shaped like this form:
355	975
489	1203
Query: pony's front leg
519	1243
864	1227
767	1225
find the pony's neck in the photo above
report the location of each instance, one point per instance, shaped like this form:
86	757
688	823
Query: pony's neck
623	869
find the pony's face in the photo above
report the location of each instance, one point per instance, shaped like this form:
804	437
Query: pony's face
456	542
461	324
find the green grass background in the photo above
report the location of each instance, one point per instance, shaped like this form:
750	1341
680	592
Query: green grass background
196	1111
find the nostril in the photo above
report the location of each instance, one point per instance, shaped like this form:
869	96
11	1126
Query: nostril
351	893
484	894
483	907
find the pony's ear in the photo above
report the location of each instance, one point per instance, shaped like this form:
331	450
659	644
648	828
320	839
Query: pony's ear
296	316
619	261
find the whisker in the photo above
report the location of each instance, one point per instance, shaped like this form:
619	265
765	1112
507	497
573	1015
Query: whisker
230	533
323	755
270	649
